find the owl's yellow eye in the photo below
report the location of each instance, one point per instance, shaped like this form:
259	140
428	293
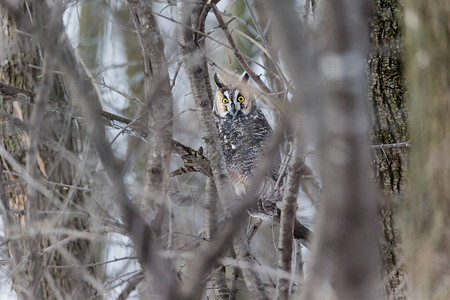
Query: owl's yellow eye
241	99
225	100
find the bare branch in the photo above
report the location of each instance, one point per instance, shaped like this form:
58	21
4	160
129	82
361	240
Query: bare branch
158	108
288	213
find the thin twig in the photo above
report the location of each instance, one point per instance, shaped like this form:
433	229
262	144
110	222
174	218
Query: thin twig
126	96
204	35
406	144
268	48
131	286
94	264
237	53
125	128
176	74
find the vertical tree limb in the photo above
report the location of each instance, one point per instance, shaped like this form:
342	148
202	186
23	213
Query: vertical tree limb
288	213
389	126
158	104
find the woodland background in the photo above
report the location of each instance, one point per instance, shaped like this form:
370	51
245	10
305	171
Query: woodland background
113	184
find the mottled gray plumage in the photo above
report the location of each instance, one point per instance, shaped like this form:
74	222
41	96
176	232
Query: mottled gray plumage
245	133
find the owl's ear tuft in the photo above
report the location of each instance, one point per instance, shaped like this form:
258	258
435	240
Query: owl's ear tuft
244	78
220	84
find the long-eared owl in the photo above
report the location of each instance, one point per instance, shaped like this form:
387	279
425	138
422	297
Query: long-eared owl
244	133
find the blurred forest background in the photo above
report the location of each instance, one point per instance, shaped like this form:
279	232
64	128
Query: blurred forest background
113	183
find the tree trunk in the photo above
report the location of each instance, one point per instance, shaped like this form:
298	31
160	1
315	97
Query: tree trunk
387	104
22	53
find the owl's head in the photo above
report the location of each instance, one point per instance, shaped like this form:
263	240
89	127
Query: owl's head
232	99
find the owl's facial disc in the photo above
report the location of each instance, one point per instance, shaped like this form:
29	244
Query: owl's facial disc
231	102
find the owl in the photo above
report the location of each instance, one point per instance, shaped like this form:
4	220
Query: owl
244	133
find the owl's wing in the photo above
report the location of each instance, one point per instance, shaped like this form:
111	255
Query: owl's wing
275	171
267	132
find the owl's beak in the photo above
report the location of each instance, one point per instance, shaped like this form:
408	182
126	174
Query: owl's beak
233	110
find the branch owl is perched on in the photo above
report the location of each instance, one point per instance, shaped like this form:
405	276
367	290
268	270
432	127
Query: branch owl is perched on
244	134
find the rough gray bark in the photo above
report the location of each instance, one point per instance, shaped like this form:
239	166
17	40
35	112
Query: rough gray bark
388	114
